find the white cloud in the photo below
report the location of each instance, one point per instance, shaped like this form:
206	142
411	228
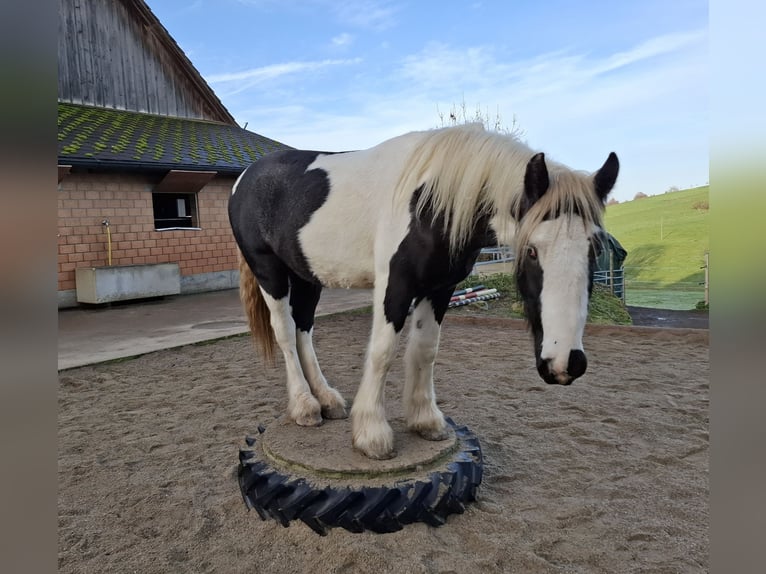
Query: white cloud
371	14
343	39
248	79
274	71
366	14
651	48
439	67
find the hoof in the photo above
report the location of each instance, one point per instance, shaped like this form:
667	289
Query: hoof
309	420
333	404
305	411
376	455
433	434
375	445
371	434
429	424
336	412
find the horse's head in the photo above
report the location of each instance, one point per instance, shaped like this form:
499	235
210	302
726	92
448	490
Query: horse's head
559	238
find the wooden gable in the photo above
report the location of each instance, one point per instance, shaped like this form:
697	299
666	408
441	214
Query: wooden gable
117	54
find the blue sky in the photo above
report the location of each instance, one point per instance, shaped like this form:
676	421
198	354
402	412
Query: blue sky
582	78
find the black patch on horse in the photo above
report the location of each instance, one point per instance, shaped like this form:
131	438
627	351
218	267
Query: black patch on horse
277	183
423	268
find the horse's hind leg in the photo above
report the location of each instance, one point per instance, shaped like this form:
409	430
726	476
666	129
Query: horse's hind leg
421	412
304	297
272	276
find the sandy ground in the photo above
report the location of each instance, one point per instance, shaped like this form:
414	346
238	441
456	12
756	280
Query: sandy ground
607	475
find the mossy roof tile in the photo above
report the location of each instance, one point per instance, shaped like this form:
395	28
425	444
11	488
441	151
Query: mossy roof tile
92	137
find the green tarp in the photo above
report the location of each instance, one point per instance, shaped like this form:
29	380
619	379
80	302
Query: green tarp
617	251
611	249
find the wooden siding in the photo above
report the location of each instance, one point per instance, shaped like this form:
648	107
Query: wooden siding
116	54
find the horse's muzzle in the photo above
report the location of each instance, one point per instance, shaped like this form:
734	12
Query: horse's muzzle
576	367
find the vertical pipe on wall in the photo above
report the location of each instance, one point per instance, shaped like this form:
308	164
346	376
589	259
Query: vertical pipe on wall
105	223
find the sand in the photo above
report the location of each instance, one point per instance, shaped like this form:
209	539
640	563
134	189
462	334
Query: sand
607	475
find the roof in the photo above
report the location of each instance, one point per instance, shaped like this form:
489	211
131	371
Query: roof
96	137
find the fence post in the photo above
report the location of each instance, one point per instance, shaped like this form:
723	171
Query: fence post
611	271
622	284
707	277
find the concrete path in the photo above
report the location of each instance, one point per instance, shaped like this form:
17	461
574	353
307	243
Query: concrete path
93	335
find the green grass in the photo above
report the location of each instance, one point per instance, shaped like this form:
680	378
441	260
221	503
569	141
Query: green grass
664	298
666	237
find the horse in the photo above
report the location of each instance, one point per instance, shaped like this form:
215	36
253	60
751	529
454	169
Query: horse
408	217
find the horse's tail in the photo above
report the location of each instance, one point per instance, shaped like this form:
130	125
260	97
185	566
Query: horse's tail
258	314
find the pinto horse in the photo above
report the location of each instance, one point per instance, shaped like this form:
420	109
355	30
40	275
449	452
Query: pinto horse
409	217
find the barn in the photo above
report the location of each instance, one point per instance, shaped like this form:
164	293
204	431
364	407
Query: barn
147	156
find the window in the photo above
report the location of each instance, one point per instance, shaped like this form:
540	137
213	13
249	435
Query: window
175	210
175	199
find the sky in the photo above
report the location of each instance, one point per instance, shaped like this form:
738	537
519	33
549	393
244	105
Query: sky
575	79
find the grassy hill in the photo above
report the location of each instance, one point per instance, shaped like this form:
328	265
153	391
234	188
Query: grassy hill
666	237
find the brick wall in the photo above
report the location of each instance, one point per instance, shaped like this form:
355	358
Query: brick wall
85	200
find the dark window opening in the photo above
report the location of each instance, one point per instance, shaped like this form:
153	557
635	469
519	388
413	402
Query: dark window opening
175	210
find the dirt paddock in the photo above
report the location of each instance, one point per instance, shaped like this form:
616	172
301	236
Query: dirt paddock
607	475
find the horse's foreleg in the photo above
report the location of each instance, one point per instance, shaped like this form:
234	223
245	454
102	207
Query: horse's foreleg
304	297
421	412
302	407
371	432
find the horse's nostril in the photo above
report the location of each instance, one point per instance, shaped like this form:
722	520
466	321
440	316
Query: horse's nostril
544	369
578	363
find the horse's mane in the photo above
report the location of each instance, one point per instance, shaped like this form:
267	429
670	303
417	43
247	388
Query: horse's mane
465	171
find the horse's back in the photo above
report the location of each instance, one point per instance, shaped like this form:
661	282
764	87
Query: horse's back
277	185
320	209
352	237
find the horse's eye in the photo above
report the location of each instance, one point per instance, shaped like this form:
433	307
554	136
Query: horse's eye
532	253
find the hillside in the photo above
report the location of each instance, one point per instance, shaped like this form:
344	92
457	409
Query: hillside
666	237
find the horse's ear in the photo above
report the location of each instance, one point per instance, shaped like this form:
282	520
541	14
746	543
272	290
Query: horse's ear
604	178
536	180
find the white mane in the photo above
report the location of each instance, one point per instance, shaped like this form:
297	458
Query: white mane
466	171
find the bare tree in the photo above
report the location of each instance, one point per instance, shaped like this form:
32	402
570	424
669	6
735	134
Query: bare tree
460	115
